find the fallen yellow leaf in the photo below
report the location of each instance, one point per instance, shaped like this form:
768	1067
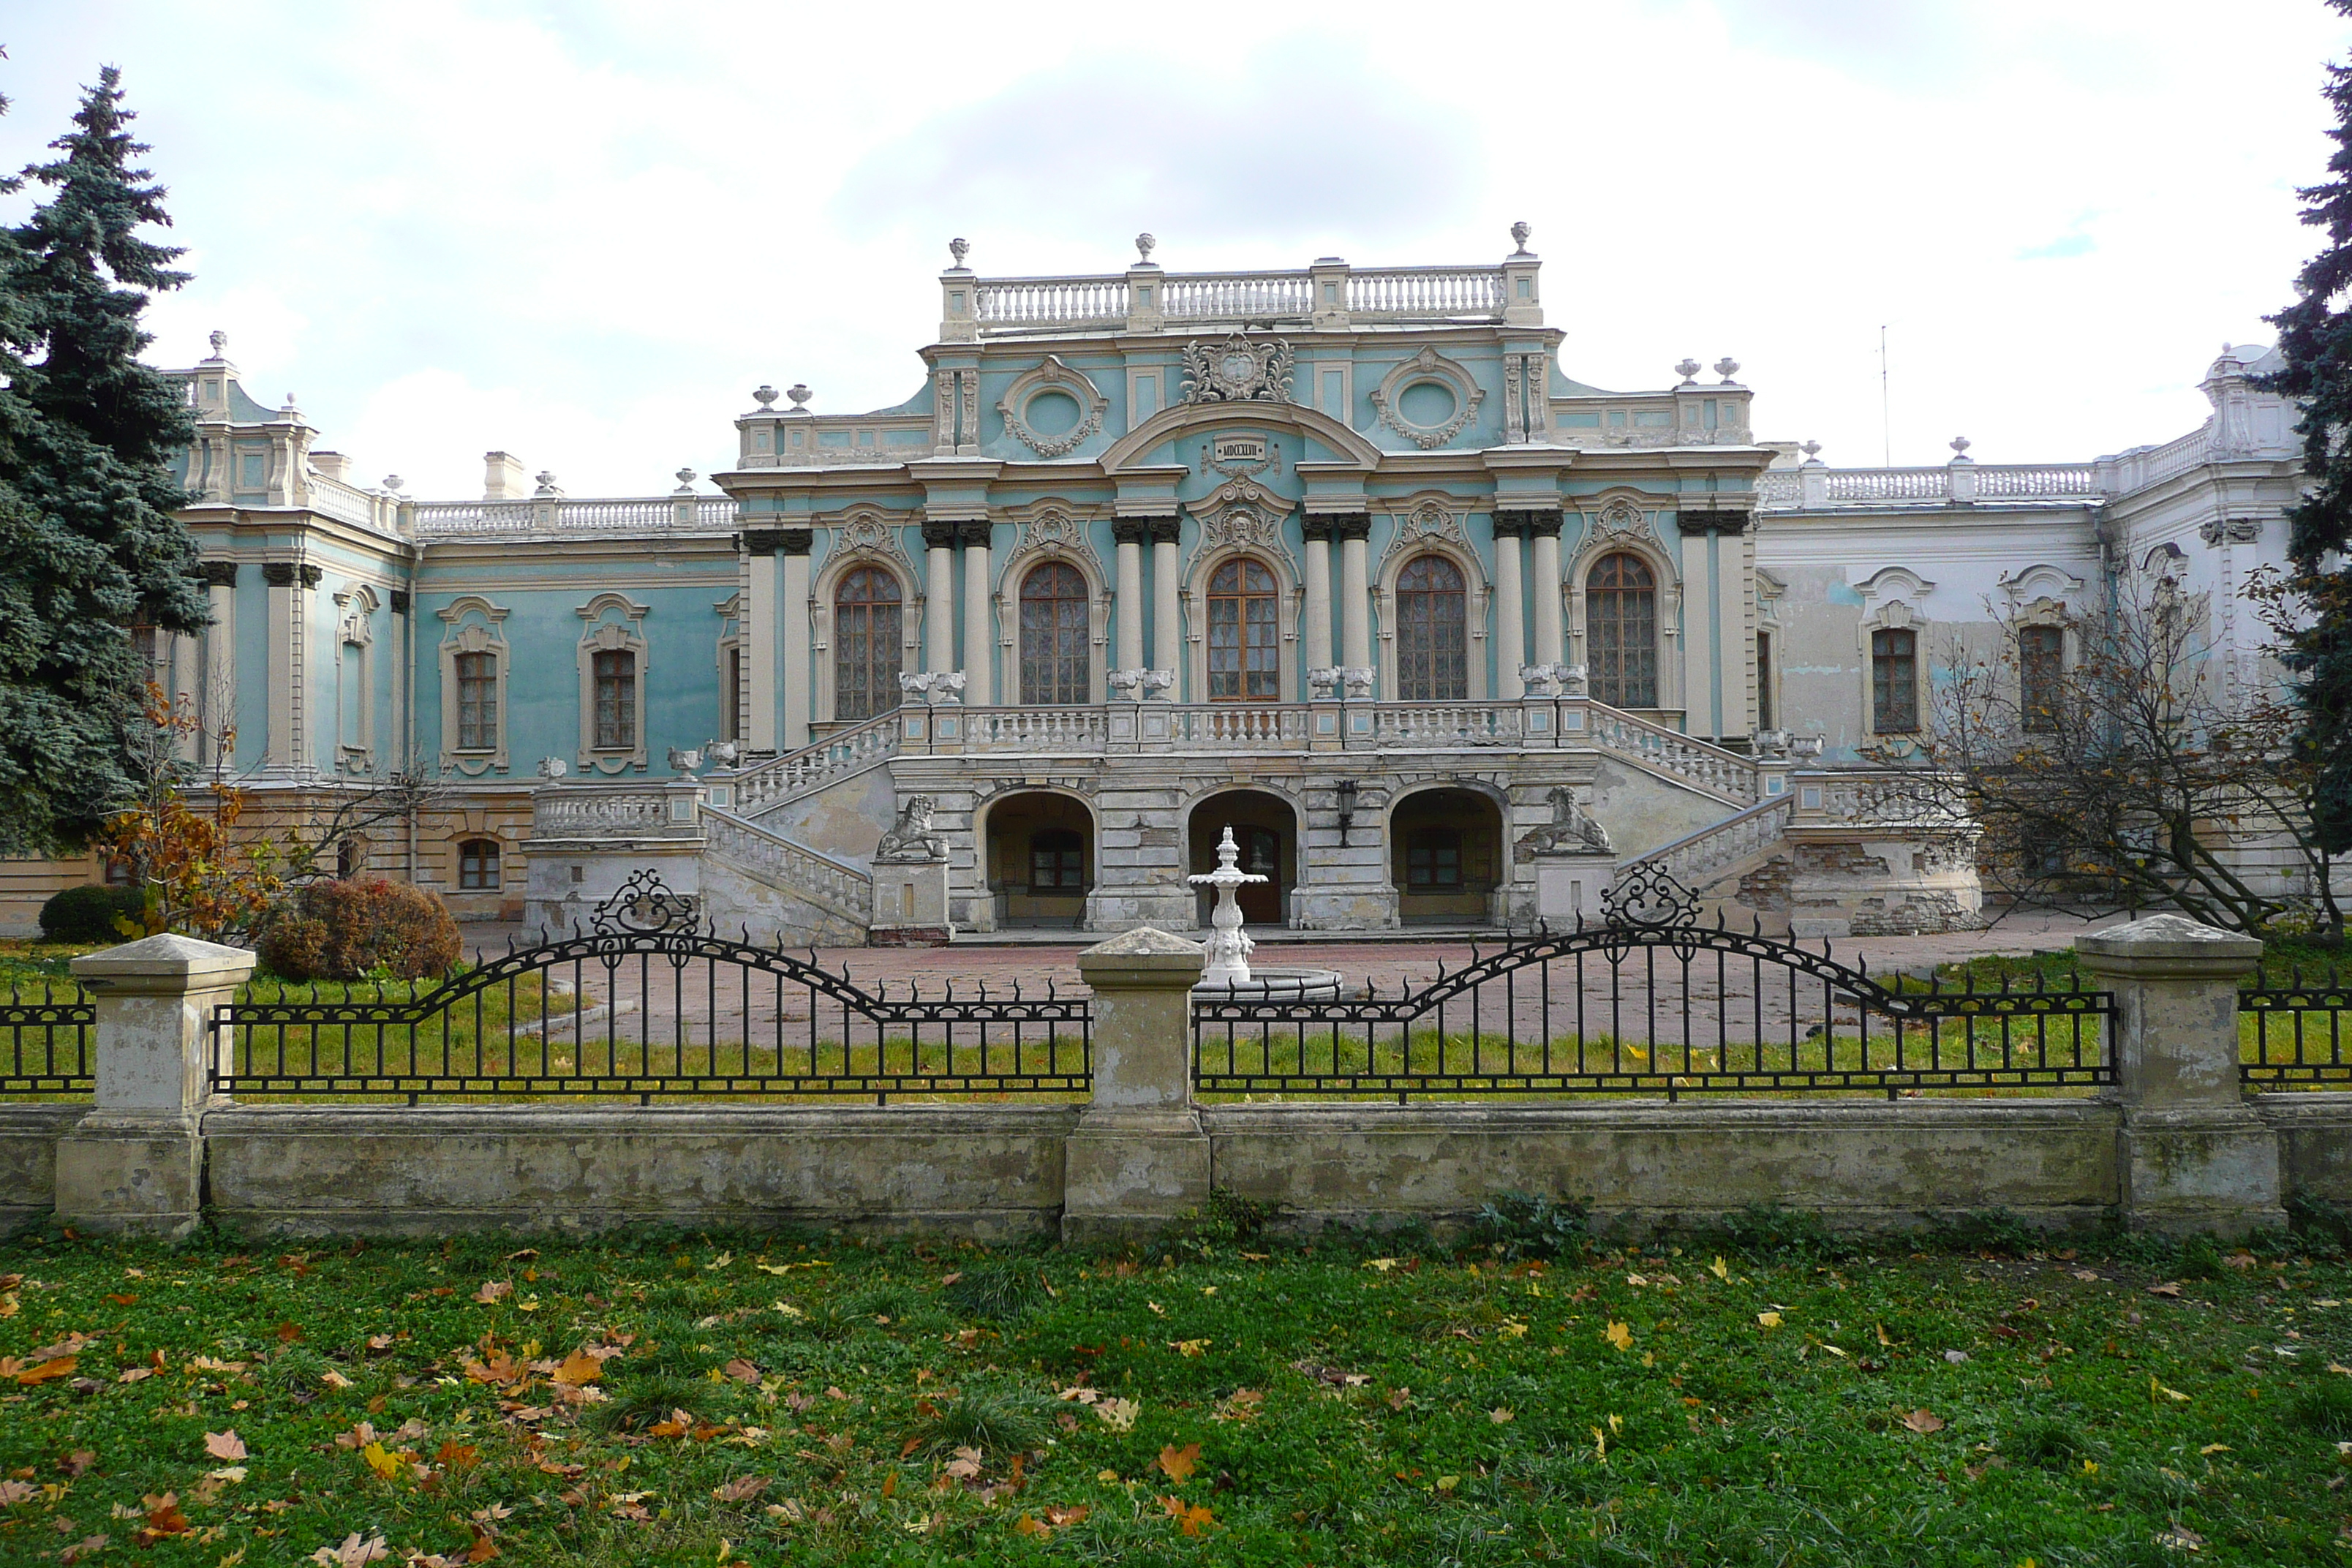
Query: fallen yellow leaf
1618	1335
1769	1320
1720	1270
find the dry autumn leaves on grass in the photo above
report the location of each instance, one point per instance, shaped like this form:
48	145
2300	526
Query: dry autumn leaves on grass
759	1400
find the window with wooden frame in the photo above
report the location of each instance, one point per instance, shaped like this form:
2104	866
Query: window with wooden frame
617	700
477	701
1894	682
1244	646
1057	664
2040	677
1620	630
866	611
1432	859
1057	861
1433	632
478	864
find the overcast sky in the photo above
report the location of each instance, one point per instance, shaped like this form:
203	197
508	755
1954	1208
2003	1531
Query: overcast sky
584	232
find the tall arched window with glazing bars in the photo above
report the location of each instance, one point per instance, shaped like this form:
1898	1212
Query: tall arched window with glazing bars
1621	631
866	643
1432	631
1056	665
1244	646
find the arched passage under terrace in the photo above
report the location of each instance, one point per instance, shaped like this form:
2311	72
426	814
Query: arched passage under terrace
1040	858
1447	857
1266	829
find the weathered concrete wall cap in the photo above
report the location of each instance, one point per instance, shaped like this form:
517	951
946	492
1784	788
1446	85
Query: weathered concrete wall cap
2170	943
1143	941
186	962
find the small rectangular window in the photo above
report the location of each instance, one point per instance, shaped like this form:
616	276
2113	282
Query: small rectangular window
1432	859
616	702
478	864
1894	682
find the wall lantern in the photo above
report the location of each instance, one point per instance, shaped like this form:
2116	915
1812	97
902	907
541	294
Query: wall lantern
1347	788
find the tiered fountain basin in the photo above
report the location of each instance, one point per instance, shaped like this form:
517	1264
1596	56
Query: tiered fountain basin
1265	984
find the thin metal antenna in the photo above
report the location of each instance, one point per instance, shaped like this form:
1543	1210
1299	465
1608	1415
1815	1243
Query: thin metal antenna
1885	420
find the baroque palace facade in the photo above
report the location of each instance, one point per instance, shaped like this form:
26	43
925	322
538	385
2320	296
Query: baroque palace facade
1340	559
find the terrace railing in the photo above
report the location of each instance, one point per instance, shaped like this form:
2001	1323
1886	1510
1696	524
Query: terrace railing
2290	1028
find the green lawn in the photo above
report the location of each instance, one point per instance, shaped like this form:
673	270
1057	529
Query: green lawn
775	1401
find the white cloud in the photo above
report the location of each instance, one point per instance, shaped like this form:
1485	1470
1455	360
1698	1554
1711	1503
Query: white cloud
584	233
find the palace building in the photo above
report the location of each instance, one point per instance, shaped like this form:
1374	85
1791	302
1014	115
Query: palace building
1342	558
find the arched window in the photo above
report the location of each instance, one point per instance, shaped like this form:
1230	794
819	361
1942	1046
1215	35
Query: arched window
1433	632
1621	627
1054	663
478	864
866	643
1244	647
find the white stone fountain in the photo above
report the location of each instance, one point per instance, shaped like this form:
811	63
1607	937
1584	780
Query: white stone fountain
1228	972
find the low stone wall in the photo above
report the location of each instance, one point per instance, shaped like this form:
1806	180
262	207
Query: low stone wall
994	1173
28	1160
1868	1165
997	1172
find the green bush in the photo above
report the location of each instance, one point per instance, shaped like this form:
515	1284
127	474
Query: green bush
358	928
88	913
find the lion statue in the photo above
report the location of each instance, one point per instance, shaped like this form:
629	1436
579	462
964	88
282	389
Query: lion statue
910	837
1569	832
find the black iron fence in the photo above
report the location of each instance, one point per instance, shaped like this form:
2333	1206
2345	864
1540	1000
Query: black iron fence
649	1006
2291	1027
1651	1001
46	1038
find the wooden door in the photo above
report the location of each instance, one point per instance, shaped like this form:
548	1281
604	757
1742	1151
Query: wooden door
1261	850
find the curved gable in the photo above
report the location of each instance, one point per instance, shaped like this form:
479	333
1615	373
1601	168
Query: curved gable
1186	418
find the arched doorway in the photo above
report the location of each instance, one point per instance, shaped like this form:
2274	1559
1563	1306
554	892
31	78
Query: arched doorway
1266	830
1041	859
1445	856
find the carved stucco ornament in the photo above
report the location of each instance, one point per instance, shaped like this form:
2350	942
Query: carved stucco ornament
1237	371
1053	376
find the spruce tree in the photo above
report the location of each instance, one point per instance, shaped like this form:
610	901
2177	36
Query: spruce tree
2315	340
88	435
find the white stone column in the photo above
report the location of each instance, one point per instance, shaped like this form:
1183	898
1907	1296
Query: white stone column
1318	530
979	632
795	546
1167	632
136	1163
219	678
1510	619
760	629
1127	602
938	598
1355	590
1545	529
